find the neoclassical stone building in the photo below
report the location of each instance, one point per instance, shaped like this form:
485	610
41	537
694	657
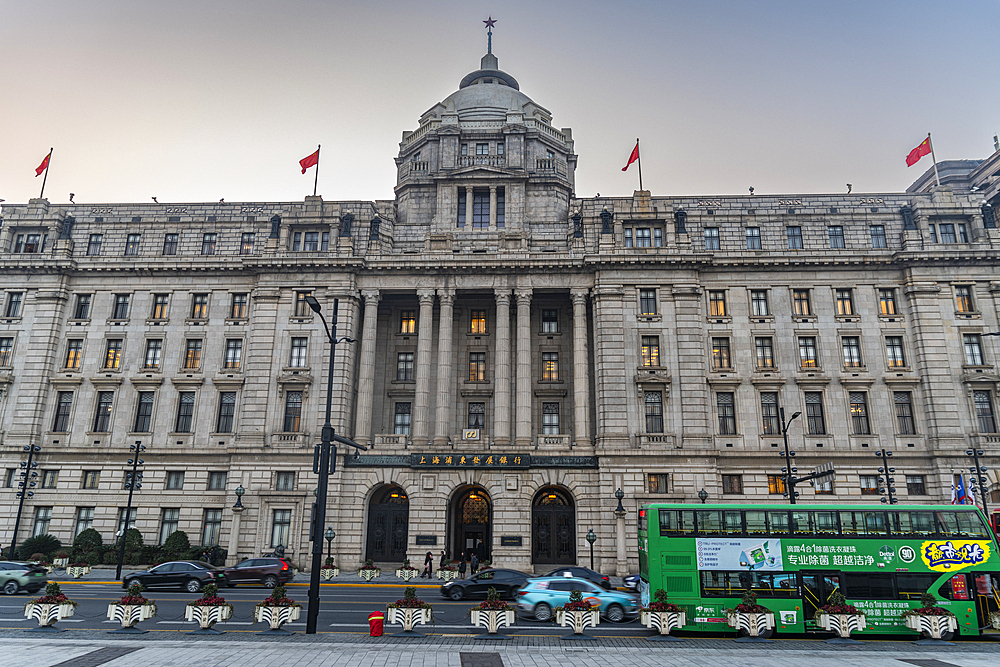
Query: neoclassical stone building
519	353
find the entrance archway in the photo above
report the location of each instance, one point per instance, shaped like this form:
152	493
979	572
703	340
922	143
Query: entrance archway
472	520
388	515
553	527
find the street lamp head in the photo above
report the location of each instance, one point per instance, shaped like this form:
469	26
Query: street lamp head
591	536
330	534
313	303
792	418
619	494
239	497
703	496
240	491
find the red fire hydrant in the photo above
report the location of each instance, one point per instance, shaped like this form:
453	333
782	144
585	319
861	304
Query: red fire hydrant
375	620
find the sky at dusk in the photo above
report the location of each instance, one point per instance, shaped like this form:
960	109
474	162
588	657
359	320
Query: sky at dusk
197	100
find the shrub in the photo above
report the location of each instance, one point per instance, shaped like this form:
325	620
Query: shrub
176	545
62	553
109	556
86	545
39	557
40	544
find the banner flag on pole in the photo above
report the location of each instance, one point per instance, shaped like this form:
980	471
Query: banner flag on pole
633	157
309	161
43	166
923	149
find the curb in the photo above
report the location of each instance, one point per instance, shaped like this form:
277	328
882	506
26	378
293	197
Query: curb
291	583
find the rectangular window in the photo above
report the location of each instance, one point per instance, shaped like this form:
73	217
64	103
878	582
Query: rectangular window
284	481
628	237
82	310
852	352
963	234
776	485
126	519
887	301
43	515
934	238
653	401
185	412
94	244
476	416
302	308
154	347
84	520
144	413
238	306
404	367
168	523
845	302
973	349
482	149
175	480
859	413
310	241
769	413
401	419
794	235
720	354
904	413
500	147
120	311
878	236
208	244
227	412
501	206
732	484
478	322
984	411
712	238
963	299
550	366
49	479
550	321
836	233
132	244
113	354
647	302
461	204
408	322
657	237
246	243
212	528
297	358
6	351
64	405
480	209
807	352
657	482
199	306
717	303
915	485
651	351
815	423
826	488
102	417
74	351
800	302
234	353
869	485
894	351
726	406
550	419
280	527
758	302
947	233
293	411
643	238
192	354
477	367
160	305
753	238
14	300
170	244
765	352
216	481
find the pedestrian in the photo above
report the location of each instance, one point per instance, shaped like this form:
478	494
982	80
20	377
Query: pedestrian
444	559
428	566
461	565
474	562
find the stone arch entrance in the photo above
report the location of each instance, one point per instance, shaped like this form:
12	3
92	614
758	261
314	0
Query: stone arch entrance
553	527
388	515
472	521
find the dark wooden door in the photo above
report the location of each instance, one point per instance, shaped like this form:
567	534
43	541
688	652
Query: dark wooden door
553	535
387	532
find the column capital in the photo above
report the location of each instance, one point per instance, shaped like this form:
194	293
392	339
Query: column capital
446	295
425	296
371	296
579	295
523	295
502	296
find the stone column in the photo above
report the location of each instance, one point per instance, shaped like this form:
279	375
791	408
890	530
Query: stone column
621	566
444	372
422	395
501	395
522	430
233	557
493	207
366	368
468	206
581	372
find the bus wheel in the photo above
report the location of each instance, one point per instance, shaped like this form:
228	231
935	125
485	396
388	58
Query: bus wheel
947	636
763	634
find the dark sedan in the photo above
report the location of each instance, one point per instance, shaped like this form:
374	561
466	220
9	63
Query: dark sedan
582	573
188	575
507	583
268	572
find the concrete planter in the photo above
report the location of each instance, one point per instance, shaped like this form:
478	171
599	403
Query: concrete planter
369	573
408	617
60	562
492	620
47	615
77	572
329	573
130	614
754	625
842	624
207	616
447	575
407	573
276	617
934	627
578	621
995	620
664	622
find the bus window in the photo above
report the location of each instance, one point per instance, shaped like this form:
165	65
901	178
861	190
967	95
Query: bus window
784	585
875	523
826	523
643	521
956	588
756	522
778	522
912	524
912	585
803	522
721	584
862	523
971	526
733	522
948	524
869	586
676	522
709	522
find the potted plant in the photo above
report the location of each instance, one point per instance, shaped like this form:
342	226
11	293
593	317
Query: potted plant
931	620
208	610
51	607
407	572
756	620
492	614
41	560
577	614
329	569
485	565
77	570
408	612
447	572
663	616
61	558
131	609
839	617
276	610
368	571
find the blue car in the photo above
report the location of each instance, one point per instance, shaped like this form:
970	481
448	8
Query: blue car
540	596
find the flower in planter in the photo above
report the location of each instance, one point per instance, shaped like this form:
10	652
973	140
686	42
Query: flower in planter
837	604
576	603
278	598
328	563
369	565
210	598
133	596
660	604
928	607
493	602
410	600
447	568
53	595
80	564
748	605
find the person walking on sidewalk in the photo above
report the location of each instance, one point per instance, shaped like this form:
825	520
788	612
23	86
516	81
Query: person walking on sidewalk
461	565
428	566
444	560
474	561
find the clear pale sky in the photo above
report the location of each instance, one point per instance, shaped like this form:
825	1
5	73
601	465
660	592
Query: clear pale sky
197	100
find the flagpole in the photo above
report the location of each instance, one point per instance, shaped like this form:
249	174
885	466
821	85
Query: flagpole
316	181
931	145
48	163
638	158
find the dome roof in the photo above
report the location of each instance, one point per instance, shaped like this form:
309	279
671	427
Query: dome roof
486	94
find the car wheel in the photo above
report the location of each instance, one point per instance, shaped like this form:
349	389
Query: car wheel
615	613
543	612
456	593
270	581
192	586
10	588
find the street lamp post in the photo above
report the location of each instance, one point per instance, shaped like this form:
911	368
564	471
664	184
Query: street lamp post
24	489
133	481
591	537
790	479
703	496
329	535
978	479
884	472
621	562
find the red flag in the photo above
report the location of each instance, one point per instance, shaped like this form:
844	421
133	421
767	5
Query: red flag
923	149
43	166
310	161
633	157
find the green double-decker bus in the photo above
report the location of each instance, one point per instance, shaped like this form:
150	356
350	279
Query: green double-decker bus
881	558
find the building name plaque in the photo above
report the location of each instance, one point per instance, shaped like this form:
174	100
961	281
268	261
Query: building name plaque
427	540
510	540
498	461
479	460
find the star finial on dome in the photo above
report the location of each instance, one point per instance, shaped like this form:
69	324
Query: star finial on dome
490	22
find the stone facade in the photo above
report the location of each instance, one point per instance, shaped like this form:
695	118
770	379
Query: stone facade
563	347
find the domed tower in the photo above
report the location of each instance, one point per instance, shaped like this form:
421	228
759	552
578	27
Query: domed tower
485	169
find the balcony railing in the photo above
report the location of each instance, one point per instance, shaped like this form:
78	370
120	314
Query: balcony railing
554	440
390	440
487	160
